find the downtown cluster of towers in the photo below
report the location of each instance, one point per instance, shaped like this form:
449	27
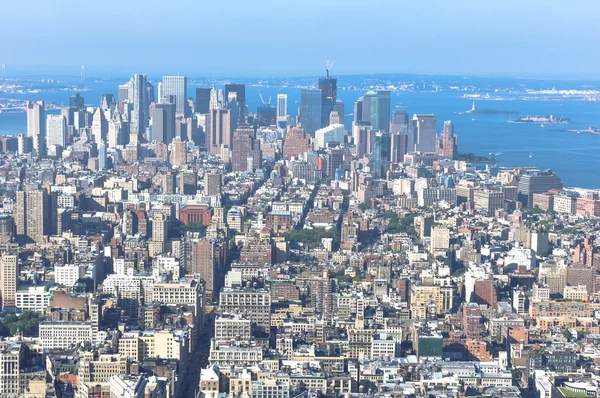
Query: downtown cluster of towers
217	119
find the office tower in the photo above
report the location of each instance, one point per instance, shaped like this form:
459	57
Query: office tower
422	134
245	146
202	104
163	122
212	184
187	182
440	238
398	146
214	102
161	93
383	110
296	143
334	118
124	94
380	157
240	95
138	95
178	152
310	110
218	131
328	87
341	111
449	147
102	159
177	87
117	130
234	111
36	126
266	115
99	126
9	268
34	211
281	110
400	122
77	101
56	126
538	182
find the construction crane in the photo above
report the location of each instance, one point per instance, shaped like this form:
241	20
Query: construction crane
263	100
328	66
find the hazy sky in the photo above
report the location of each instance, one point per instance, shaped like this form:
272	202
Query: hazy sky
245	37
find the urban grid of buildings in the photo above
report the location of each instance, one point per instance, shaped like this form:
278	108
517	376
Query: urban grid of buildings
166	244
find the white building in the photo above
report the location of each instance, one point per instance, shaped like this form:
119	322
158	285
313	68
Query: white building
33	297
56	128
64	334
331	133
68	275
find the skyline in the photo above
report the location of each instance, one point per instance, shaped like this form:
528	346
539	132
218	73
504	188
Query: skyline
465	38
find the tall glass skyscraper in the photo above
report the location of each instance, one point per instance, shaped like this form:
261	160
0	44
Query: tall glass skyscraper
177	87
380	157
310	110
328	87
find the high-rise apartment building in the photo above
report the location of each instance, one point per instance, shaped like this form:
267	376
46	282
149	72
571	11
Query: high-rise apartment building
8	280
310	110
176	86
212	184
245	147
36	125
56	126
34	210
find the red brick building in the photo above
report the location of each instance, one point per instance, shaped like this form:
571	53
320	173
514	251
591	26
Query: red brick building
196	214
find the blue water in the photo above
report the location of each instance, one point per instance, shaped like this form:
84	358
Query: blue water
573	156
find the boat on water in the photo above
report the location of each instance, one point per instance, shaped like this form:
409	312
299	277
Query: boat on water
530	155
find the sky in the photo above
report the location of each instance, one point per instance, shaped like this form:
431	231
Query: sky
295	37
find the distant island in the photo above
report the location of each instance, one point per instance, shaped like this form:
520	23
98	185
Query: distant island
543	120
475	111
472	158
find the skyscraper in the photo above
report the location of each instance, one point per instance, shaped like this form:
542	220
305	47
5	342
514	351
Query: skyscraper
202	104
36	125
310	110
399	136
99	126
102	159
328	87
177	87
163	123
399	122
240	95
57	130
380	156
422	134
8	280
281	110
218	131
449	140
138	95
34	211
117	130
296	143
383	110
245	146
76	101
